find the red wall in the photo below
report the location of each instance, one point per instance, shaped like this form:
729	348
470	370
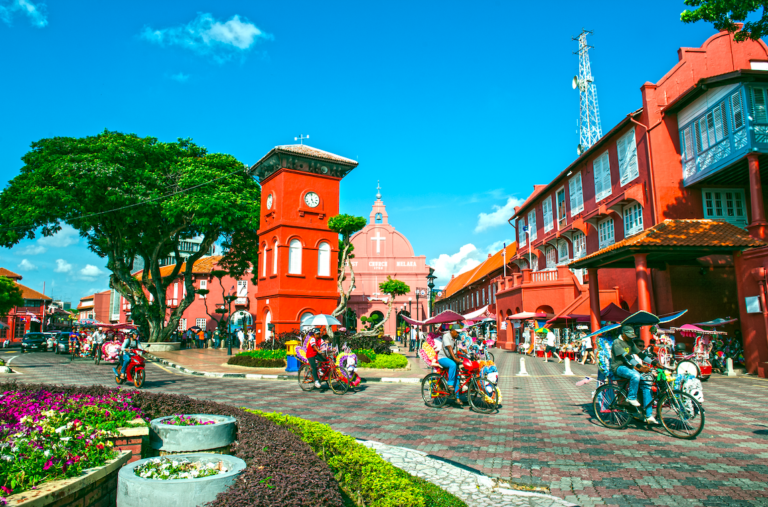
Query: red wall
287	296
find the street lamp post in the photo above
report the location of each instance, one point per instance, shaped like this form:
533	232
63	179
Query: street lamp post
229	300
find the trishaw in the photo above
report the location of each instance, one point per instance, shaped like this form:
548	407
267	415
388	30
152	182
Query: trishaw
678	410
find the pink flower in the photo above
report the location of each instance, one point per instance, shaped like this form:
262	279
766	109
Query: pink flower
48	464
6	490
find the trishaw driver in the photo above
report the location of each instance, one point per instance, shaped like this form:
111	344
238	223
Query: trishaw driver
624	365
446	356
131	342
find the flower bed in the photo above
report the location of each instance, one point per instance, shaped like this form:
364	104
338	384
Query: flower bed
46	435
185	420
364	475
281	470
170	469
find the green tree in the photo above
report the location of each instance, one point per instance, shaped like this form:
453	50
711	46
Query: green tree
391	288
135	197
724	14
10	296
345	226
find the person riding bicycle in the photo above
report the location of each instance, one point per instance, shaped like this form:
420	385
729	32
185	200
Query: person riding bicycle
74	341
447	358
131	342
626	364
313	351
98	342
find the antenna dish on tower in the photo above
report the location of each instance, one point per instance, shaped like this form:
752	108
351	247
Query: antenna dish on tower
575	82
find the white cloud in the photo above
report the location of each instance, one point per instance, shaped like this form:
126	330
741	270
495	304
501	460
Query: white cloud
446	265
498	216
90	272
63	266
25	265
35	12
180	77
468	257
32	250
68	235
208	37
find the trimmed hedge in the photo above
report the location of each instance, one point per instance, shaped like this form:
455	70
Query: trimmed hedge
362	473
265	354
282	469
255	362
383	361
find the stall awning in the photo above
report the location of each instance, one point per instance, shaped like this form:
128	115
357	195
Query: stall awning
527	315
476	313
679	242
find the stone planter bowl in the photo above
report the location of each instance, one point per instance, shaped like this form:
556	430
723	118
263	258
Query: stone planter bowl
212	438
135	491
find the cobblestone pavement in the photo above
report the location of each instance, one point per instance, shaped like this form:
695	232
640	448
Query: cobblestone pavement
544	435
472	487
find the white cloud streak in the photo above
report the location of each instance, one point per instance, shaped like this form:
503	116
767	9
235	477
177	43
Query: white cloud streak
468	257
90	272
32	250
35	12
25	265
498	216
68	235
180	77
207	36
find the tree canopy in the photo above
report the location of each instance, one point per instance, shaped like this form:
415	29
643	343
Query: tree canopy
724	14
10	296
134	197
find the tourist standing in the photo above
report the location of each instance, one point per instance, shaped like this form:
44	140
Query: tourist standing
251	340
216	338
588	350
240	337
551	348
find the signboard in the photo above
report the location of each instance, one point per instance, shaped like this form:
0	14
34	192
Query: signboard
503	324
753	304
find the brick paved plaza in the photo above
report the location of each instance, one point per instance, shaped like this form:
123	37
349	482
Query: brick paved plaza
544	435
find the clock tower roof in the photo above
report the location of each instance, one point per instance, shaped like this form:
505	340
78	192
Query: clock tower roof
303	158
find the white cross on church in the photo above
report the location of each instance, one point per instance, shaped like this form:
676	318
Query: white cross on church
378	239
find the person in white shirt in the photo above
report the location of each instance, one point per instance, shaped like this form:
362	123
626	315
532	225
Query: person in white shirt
240	337
551	348
588	351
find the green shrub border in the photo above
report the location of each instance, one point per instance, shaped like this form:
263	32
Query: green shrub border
360	471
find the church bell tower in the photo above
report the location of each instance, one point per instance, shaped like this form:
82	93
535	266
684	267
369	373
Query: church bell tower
298	254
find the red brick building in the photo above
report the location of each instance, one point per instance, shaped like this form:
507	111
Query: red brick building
26	318
692	151
95	306
195	314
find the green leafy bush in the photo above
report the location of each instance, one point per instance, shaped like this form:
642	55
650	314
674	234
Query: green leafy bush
382	361
363	474
256	362
265	354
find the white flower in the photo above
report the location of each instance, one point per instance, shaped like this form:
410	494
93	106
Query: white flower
47	453
60	429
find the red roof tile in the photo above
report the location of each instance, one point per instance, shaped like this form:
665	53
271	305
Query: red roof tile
28	293
670	234
9	274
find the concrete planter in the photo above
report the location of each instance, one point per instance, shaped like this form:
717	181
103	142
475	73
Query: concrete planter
135	491
211	438
164	346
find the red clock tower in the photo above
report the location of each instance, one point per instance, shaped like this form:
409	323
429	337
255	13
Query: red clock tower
298	264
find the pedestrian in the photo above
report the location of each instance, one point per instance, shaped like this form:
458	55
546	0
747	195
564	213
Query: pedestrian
200	339
217	338
208	341
588	349
550	341
251	340
240	337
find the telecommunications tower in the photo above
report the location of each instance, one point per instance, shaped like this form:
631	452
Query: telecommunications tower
589	115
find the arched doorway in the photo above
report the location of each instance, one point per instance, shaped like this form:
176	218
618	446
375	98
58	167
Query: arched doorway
545	309
267	322
240	320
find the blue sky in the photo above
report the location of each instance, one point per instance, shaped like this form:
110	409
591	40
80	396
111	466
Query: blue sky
458	108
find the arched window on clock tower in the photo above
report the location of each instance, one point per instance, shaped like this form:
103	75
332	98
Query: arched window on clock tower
324	260
274	259
264	262
294	257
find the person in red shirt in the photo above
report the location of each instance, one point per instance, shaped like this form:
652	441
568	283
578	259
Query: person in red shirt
313	353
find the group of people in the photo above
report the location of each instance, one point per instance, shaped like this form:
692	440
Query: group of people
93	341
203	339
581	346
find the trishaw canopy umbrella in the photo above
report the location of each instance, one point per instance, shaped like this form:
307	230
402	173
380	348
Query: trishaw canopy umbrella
444	317
716	322
641	318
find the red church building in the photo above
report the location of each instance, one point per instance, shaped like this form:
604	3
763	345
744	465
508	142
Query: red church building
666	211
298	252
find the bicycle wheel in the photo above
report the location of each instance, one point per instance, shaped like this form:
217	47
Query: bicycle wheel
483	396
681	415
609	408
138	378
337	382
664	357
434	390
306	382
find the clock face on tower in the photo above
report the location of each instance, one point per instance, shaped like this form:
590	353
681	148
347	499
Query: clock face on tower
311	199
269	201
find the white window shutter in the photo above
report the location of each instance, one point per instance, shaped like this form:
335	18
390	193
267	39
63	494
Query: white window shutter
606	175
597	168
